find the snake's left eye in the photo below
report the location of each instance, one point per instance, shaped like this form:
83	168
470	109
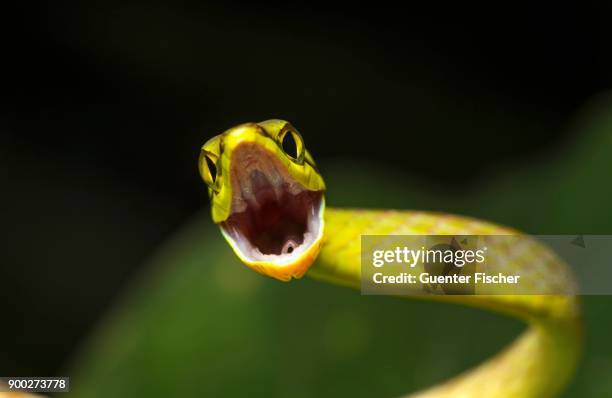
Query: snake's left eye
292	144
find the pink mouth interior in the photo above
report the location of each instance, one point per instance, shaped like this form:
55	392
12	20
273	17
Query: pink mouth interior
275	225
272	214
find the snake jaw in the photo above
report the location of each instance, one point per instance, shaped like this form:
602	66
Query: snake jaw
296	253
276	224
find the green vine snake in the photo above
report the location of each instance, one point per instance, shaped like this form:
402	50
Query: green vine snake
267	196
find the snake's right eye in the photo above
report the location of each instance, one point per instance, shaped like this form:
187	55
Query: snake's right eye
208	168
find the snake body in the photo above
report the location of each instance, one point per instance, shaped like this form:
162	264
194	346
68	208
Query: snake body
538	364
252	175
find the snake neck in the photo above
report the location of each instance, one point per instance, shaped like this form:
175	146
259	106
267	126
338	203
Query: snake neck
539	363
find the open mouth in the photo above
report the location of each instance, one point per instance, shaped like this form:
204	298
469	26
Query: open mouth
274	219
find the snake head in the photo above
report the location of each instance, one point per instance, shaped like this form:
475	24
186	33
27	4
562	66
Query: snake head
266	195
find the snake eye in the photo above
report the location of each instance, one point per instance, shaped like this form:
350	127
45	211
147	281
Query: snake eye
292	144
208	168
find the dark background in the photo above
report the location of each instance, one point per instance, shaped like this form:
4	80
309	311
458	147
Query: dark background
107	103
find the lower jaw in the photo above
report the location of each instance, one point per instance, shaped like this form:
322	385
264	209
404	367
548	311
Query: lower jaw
294	270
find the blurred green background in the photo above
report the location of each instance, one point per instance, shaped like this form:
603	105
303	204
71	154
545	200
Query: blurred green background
111	270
